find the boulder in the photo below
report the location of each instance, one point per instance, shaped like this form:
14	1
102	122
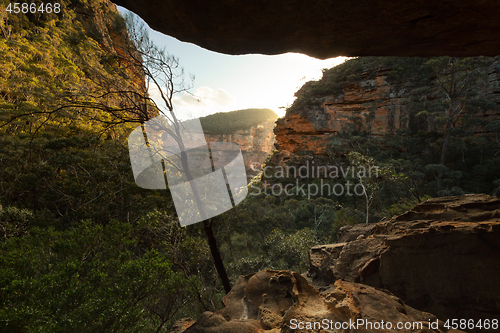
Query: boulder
282	301
441	257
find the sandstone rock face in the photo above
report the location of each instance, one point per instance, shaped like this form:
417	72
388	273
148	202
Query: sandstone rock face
181	325
372	98
256	143
372	104
441	257
327	29
283	301
99	22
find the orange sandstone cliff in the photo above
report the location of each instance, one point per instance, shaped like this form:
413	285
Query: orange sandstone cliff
256	143
369	101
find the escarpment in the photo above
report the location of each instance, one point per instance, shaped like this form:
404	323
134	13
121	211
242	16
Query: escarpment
371	103
251	129
379	97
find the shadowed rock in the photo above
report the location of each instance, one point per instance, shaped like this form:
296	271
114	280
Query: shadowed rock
441	257
327	29
277	301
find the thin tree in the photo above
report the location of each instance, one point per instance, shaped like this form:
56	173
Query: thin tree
120	94
163	73
372	176
457	79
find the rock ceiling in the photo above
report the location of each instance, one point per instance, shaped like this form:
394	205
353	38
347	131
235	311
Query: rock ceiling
329	28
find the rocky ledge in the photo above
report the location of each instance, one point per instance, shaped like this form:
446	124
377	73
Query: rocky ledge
283	301
441	257
438	260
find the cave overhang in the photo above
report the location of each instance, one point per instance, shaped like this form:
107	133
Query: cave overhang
326	29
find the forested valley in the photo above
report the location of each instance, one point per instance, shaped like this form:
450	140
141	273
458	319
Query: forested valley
84	249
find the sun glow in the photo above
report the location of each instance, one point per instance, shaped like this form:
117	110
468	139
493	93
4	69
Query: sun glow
225	83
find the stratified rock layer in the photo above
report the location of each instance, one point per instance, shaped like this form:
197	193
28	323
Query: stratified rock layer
256	143
309	130
442	257
373	103
331	28
283	301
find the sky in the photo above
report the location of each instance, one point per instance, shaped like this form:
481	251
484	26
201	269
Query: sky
227	82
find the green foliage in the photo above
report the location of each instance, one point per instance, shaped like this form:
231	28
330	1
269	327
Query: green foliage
14	222
372	176
83	248
241	120
345	217
51	68
316	214
403	206
63	153
72	177
87	279
290	251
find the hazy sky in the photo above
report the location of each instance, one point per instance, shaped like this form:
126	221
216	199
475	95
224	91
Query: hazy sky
226	83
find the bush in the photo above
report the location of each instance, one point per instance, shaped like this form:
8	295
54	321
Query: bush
86	279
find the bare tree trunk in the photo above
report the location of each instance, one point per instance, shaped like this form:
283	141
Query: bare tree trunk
443	153
162	71
207	224
219	264
444	149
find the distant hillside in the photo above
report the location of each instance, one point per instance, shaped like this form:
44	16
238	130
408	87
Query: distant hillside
230	122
